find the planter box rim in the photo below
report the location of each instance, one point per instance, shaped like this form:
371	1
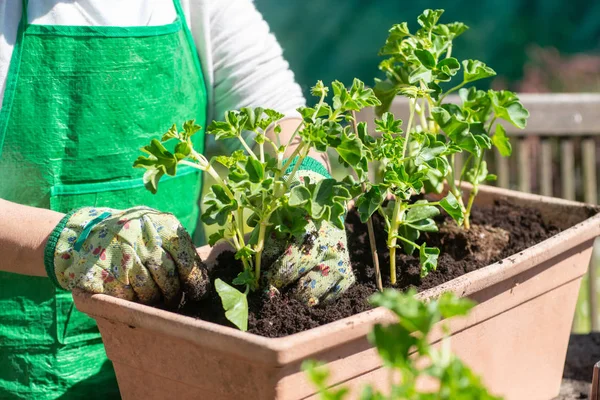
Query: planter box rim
261	349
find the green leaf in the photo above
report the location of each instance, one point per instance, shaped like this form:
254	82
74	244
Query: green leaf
351	149
182	150
426	58
475	70
159	162
456	28
394	344
429	18
230	128
500	140
245	277
216	236
245	252
448	66
451	206
319	89
385	90
255	170
507	106
419	213
151	179
428	257
413	314
189	129
368	202
476	177
170	134
451	305
235	304
289	220
421	73
299	196
218	206
388	124
410	233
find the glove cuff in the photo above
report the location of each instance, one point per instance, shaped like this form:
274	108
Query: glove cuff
309	164
51	248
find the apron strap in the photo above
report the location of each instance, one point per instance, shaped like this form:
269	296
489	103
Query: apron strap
24	19
11	77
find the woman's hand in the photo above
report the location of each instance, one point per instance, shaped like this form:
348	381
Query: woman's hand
138	254
317	262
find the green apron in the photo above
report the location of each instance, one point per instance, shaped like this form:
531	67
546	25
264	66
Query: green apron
79	104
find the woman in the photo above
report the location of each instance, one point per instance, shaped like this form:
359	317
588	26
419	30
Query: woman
85	84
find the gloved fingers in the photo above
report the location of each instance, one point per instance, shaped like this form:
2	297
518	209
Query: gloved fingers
296	260
157	261
140	279
339	289
316	284
327	280
177	243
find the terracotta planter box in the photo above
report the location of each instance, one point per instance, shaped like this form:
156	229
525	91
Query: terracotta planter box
515	338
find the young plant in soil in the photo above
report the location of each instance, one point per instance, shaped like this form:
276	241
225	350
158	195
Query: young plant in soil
407	354
404	175
258	189
420	66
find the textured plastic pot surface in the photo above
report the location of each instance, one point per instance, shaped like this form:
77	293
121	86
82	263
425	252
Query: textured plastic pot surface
515	338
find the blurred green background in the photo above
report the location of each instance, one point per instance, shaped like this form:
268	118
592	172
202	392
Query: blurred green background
339	39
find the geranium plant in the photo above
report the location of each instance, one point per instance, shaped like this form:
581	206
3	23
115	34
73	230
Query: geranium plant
419	65
258	188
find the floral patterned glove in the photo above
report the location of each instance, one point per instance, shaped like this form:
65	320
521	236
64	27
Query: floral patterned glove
138	254
317	262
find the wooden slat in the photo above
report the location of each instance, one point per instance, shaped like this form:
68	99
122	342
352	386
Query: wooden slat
546	166
524	166
588	150
550	114
502	170
567	169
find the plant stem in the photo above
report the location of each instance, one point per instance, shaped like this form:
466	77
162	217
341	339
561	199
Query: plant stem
449	52
392	236
370	229
450	179
409	126
290	159
455	88
474	191
301	158
409	242
262	152
422	116
259	249
248	149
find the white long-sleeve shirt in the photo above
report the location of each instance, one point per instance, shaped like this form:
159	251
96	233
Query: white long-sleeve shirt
241	60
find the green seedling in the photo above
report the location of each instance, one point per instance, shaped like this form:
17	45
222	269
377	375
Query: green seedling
407	354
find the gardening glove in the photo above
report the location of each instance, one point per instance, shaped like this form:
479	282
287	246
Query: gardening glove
138	254
317	262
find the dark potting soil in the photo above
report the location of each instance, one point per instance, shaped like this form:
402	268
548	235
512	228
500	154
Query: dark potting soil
497	232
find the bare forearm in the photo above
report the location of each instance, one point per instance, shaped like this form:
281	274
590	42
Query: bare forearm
24	232
288	127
